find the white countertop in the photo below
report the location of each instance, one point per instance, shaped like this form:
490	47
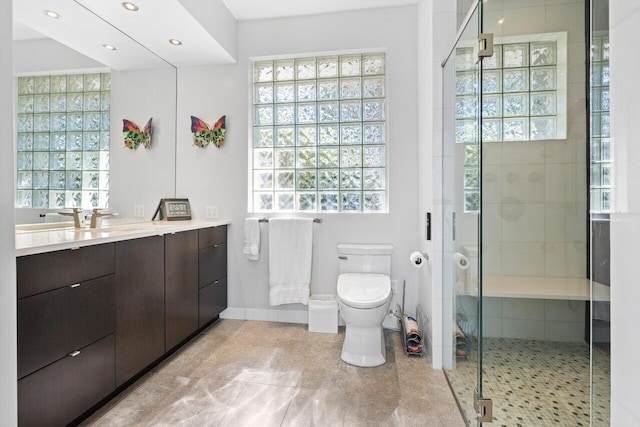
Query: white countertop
40	238
561	288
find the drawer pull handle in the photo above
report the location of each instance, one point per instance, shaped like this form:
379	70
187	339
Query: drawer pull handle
75	353
215	283
76	285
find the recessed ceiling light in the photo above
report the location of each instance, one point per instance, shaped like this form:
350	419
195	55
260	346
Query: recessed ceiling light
130	6
501	21
109	47
175	42
51	14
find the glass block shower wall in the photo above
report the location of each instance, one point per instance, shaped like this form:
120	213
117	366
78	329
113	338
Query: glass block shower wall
319	135
601	172
518	101
63	141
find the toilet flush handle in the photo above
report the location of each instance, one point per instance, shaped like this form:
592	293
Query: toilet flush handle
344	257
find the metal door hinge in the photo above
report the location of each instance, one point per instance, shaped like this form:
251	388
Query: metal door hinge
484	408
485	45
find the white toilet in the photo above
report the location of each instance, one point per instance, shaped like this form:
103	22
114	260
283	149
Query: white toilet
364	295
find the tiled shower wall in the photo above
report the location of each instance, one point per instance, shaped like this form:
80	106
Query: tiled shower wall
523	318
535	192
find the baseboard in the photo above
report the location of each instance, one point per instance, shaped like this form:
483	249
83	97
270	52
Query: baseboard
391	322
266	314
270	315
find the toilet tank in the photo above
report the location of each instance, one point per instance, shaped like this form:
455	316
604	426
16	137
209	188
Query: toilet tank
365	258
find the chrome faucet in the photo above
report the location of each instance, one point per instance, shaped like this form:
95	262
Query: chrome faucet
78	220
97	216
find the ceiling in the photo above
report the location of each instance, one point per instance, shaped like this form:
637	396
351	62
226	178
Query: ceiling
23	32
261	9
207	28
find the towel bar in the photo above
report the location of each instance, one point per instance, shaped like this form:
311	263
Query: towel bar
317	220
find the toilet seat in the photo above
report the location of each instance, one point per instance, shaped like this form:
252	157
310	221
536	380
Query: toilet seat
364	290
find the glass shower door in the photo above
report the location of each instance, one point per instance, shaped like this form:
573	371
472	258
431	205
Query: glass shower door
535	354
520	302
601	192
461	171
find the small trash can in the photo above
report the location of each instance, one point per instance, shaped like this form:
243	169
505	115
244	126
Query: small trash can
323	314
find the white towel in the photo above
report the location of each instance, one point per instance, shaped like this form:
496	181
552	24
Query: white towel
290	247
252	239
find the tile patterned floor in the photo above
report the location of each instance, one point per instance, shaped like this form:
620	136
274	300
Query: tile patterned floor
536	383
249	373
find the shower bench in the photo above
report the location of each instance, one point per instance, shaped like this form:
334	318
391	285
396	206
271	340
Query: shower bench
557	288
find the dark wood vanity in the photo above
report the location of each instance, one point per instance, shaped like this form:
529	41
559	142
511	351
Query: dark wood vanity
93	319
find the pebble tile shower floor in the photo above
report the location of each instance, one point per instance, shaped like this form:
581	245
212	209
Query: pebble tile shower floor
536	383
250	373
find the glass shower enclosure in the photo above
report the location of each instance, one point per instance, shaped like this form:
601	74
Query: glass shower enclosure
521	189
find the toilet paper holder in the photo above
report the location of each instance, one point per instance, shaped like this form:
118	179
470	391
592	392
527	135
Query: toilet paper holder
418	259
461	261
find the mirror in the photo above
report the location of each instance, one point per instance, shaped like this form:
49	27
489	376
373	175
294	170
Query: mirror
136	177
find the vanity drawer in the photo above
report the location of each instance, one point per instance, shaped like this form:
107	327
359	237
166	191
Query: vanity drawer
212	301
44	272
212	236
212	263
55	323
59	393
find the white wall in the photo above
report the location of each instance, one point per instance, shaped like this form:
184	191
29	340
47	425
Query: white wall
8	324
425	185
217	20
44	55
625	222
218	177
142	176
436	31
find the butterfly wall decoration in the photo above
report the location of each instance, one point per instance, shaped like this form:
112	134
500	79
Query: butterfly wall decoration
203	135
133	136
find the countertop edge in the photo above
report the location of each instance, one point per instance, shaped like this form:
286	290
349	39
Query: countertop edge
116	233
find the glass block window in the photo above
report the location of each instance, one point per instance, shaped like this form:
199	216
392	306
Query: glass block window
319	134
63	141
471	179
601	159
523	97
519	93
